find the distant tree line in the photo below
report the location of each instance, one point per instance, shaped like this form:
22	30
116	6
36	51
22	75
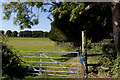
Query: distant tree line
34	34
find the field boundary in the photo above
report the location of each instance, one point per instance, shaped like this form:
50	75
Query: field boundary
40	68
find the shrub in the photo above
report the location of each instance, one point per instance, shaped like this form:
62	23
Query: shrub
112	61
10	62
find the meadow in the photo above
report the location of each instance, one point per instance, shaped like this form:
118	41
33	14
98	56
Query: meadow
33	44
45	44
41	44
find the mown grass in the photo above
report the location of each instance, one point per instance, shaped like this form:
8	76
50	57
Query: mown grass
41	44
45	44
33	44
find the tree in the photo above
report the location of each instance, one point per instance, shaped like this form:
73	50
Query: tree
116	26
54	32
10	62
21	34
1	32
45	34
34	34
25	20
95	22
40	33
37	33
9	33
115	6
14	34
27	33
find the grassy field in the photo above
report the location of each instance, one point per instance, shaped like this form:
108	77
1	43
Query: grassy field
41	44
33	44
45	44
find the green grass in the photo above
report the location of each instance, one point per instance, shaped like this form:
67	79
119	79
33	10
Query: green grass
45	44
34	44
40	44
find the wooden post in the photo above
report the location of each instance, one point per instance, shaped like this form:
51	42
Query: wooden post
84	50
83	42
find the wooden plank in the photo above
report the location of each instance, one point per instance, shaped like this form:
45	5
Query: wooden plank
104	68
92	55
93	65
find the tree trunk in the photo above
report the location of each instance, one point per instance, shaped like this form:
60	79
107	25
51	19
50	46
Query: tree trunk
116	24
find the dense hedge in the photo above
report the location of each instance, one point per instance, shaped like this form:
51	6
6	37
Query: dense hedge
11	67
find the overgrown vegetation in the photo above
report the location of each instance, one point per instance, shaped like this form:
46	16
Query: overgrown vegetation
109	62
11	67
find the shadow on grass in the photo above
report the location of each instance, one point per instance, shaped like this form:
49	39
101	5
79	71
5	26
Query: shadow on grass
68	56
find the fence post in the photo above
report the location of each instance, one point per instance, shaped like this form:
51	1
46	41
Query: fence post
84	50
40	63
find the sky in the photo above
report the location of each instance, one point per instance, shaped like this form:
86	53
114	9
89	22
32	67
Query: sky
44	23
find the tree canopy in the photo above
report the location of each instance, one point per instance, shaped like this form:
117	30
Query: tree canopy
2	32
9	33
14	34
25	17
97	22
